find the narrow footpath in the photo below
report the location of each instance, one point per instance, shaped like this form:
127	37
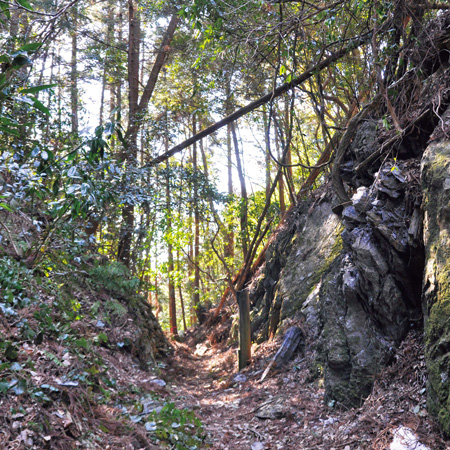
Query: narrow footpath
287	410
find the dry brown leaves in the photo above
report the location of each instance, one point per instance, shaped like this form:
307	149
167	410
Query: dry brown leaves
227	405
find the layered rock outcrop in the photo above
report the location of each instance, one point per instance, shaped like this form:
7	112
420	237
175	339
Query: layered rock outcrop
355	280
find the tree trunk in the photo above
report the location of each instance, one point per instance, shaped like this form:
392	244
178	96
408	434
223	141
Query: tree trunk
192	315
136	109
229	244
130	153
74	74
244	199
196	294
267	149
281	180
170	265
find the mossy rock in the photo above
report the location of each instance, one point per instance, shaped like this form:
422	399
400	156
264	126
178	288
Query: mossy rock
436	292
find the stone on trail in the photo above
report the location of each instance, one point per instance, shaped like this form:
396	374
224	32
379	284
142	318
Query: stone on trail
405	439
274	408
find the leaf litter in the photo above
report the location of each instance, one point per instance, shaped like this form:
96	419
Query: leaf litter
295	416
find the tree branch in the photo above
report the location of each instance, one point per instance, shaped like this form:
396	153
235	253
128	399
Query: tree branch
354	43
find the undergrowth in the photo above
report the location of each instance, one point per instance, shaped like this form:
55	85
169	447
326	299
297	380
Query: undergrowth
56	340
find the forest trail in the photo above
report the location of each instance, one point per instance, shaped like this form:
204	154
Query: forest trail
205	379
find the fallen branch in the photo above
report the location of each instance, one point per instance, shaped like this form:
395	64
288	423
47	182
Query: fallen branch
290	344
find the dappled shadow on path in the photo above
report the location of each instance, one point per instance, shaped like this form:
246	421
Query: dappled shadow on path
287	411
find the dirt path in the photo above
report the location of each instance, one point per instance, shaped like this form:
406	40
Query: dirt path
296	417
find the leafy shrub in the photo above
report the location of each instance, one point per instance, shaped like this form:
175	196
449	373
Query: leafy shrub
14	281
180	427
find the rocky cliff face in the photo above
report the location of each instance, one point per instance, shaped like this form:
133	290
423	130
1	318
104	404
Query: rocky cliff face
436	287
354	279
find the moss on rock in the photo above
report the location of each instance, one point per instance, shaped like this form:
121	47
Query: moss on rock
436	291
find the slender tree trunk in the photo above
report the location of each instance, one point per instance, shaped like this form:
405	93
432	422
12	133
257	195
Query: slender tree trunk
180	294
136	109
170	265
281	180
102	95
74	74
196	294
287	140
229	244
192	315
244	198
267	152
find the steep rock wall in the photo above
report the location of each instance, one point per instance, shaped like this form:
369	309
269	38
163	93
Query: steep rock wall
436	287
354	281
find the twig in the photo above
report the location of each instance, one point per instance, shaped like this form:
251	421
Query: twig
11	240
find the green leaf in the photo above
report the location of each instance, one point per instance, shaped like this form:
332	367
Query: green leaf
8	130
71	156
82	343
5	206
4	386
38	105
7	121
4	7
26	99
99	131
20	61
31	47
101	338
11	352
34	89
109	129
25	4
55	187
